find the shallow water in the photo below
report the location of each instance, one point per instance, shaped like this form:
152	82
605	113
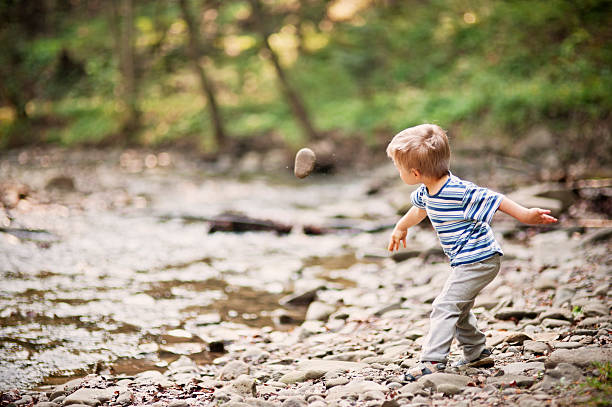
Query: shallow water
120	274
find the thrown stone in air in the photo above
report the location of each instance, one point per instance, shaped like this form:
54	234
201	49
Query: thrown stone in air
304	162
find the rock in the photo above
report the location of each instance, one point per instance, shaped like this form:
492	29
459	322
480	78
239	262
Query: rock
319	311
510	380
594	321
448	389
563	295
557	313
125	398
567	372
522	367
27	399
62	183
178	403
411	388
372	395
338	381
330	365
233	370
390	403
216	347
596	309
304	162
66	388
300	299
583	357
354	388
295	401
514	313
433	380
154	377
555	323
244	385
535	347
566	345
91	397
562	374
295	376
516	338
354	356
46	404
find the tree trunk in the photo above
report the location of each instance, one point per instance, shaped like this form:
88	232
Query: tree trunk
195	52
123	30
293	98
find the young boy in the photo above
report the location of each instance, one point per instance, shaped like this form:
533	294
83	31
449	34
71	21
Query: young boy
460	212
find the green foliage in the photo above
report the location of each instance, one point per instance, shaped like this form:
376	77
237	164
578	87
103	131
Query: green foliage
600	386
498	67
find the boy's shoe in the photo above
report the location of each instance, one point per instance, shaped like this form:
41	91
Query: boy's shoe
484	360
422	369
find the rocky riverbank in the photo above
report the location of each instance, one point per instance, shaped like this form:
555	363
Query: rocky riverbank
345	321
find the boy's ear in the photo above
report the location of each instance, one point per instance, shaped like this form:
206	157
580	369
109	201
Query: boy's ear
415	172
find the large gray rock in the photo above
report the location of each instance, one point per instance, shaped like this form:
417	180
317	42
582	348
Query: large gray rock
91	397
233	370
583	357
432	381
562	374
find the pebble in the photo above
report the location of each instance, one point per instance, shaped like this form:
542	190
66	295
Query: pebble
233	370
304	162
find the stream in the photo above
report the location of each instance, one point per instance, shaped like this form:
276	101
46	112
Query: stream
107	261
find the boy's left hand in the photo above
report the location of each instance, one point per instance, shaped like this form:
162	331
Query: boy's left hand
537	216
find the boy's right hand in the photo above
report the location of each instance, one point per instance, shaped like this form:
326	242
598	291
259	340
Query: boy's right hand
397	236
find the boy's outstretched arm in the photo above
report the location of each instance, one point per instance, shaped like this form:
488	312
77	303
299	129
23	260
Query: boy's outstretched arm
411	218
531	216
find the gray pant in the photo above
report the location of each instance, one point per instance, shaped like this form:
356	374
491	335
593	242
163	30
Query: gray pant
452	316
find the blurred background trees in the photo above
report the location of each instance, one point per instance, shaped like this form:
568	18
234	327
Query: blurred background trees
208	72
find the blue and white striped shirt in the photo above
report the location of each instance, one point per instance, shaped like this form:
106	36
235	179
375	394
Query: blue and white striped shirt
460	212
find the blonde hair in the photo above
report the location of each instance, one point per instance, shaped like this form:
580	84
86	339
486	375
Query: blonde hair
424	148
